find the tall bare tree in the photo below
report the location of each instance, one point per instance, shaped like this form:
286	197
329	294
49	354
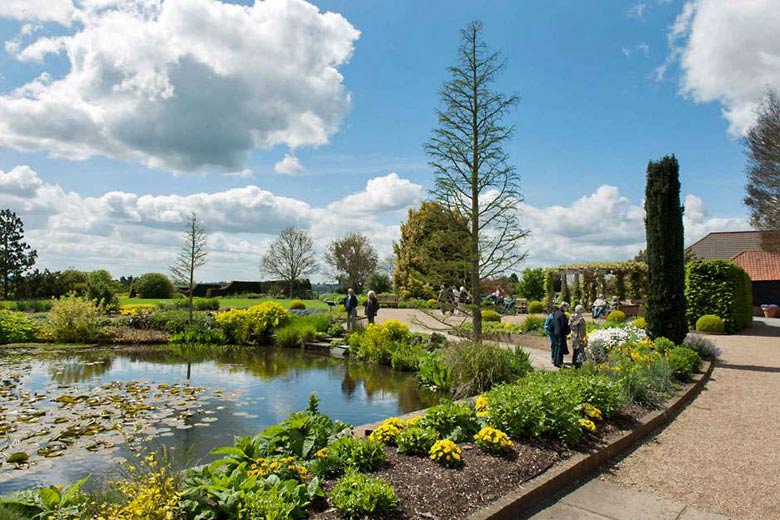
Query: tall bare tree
762	146
290	257
473	177
192	255
352	260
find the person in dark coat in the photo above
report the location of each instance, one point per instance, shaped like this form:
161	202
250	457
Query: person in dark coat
351	305
561	330
372	307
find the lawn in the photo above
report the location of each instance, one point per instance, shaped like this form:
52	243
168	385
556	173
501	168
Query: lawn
229	303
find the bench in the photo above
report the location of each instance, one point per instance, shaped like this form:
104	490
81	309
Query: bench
387	300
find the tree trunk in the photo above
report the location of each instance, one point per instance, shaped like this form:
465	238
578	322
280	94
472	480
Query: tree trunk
475	300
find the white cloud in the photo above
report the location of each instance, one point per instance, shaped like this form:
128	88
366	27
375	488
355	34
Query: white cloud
642	48
381	194
290	165
131	233
729	52
637	11
185	85
59	11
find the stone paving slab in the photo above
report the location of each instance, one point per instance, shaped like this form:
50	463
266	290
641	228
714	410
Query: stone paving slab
600	500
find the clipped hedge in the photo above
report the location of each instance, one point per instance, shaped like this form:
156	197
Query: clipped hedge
721	288
710	323
616	317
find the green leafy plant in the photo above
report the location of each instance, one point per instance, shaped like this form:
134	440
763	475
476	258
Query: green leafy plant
434	372
452	421
705	347
74	320
375	345
204	333
662	345
532	323
49	503
639	323
710	323
364	455
616	317
477	367
406	356
683	362
357	496
297	305
535	307
721	288
416	440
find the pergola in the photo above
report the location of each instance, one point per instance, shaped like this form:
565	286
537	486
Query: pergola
581	283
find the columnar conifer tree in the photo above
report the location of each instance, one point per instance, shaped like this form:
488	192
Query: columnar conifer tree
665	312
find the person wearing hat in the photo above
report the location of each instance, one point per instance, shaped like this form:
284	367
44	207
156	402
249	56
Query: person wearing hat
561	330
578	333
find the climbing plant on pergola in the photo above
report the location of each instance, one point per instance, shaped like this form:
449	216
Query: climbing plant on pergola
589	279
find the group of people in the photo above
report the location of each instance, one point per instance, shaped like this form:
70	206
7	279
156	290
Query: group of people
371	307
452	298
559	327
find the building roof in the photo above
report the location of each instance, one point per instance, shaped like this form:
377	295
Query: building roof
726	245
762	266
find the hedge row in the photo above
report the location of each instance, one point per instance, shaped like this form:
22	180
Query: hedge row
721	288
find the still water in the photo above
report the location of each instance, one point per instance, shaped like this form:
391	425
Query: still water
75	413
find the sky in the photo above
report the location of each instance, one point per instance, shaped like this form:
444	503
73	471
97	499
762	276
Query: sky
118	118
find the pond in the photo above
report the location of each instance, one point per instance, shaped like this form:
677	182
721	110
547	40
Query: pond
69	413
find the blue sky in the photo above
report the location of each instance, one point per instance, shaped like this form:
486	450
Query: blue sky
593	110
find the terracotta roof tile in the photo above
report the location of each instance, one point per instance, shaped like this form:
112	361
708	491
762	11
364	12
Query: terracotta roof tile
762	266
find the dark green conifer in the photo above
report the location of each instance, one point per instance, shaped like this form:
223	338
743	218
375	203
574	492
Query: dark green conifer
665	308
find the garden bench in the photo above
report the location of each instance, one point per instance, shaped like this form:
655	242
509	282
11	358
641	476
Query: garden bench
522	305
631	310
387	300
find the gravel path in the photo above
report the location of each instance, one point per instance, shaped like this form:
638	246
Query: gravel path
721	453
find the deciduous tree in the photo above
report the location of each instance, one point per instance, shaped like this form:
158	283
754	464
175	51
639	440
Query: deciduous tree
192	256
352	259
762	146
290	257
473	176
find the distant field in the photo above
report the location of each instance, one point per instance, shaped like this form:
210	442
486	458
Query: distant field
231	303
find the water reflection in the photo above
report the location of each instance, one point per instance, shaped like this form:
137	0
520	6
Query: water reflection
247	390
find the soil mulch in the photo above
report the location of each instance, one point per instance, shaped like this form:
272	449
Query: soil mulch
429	491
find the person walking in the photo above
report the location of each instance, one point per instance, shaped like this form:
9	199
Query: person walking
561	328
372	307
463	299
351	305
443	298
549	328
579	331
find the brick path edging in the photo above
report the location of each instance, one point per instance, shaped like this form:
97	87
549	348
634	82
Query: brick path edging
534	492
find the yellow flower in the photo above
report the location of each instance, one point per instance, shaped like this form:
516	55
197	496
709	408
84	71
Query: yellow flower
587	424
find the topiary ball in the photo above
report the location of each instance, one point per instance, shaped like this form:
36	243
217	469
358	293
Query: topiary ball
535	307
488	315
710	323
297	305
639	323
616	317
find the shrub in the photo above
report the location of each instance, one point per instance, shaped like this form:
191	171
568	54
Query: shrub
175	321
74	320
297	305
616	317
102	288
397	330
447	453
721	288
16	327
639	323
662	344
240	324
477	367
406	357
204	333
32	305
335	331
358	496
493	441
375	345
683	362
490	315
535	307
415	440
153	285
602	341
433	303
532	323
710	323
452	421
705	347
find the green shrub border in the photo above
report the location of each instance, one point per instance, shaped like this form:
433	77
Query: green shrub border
721	288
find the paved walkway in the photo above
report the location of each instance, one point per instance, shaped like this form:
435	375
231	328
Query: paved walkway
720	456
